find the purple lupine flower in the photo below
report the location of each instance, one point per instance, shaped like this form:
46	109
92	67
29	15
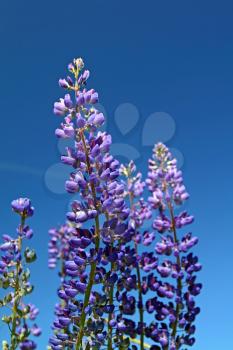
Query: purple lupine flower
98	246
177	271
63	83
15	277
59	244
83	78
28	345
23	207
145	262
100	206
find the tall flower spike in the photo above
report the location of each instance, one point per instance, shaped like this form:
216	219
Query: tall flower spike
15	277
102	269
146	262
174	304
100	207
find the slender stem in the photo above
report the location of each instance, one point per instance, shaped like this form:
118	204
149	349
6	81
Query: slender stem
141	311
111	291
14	310
139	285
179	280
85	304
94	263
63	302
110	296
14	341
136	341
88	166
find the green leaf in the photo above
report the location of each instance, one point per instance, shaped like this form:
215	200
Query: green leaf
26	310
6	319
5	283
5	345
30	255
6	300
88	347
26	275
20	313
125	343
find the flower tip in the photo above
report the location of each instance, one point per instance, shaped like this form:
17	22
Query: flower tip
78	62
22	206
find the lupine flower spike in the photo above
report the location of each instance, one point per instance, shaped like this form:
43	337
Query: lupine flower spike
115	289
175	285
91	261
14	279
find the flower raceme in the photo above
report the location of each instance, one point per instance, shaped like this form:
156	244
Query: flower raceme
91	265
175	286
127	273
108	273
14	279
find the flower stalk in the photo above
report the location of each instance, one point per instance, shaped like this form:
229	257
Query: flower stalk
110	274
13	275
139	286
94	263
179	280
17	298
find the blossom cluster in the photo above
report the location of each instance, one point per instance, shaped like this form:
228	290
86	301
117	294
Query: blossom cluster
15	281
175	285
115	291
126	268
93	263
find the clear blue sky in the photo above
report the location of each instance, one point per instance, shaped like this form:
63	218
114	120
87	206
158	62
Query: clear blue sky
162	56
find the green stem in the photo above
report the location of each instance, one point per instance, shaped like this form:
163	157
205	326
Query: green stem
14	311
62	301
111	292
85	304
141	311
94	263
110	296
139	286
14	341
179	280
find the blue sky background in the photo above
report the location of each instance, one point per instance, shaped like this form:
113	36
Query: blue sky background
162	56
